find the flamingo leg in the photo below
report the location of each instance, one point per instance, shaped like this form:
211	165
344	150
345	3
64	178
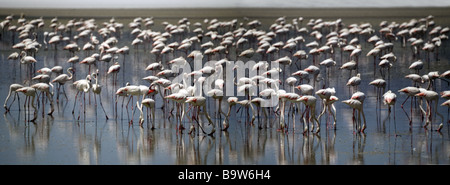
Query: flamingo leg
364	119
305	124
101	104
75	102
313	115
333	113
52	108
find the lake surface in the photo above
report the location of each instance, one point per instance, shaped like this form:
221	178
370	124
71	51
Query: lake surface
63	139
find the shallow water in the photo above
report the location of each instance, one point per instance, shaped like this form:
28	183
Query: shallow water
63	139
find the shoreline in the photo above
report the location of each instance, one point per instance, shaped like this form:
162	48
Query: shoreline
235	12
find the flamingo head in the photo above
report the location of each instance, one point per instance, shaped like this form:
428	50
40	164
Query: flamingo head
71	69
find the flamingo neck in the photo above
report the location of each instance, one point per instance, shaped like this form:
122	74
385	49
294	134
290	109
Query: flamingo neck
96	80
198	88
71	75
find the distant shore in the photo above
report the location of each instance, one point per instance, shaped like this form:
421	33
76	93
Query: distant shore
235	12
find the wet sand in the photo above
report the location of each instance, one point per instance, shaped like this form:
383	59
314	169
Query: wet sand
62	139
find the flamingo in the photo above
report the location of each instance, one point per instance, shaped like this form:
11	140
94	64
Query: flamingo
417	65
389	98
12	89
261	103
114	69
325	95
310	103
410	92
231	102
44	70
302	75
27	60
73	60
430	96
300	54
305	89
291	82
357	105
352	65
149	103
97	89
247	88
45	88
199	101
284	61
379	84
354	81
89	61
136	90
246	103
217	94
62	79
291	97
180	99
157	66
44	78
121	92
313	70
29	92
328	63
415	78
83	85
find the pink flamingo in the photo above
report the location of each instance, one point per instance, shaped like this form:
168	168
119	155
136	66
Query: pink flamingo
29	92
45	88
357	105
310	103
430	96
410	92
231	102
62	79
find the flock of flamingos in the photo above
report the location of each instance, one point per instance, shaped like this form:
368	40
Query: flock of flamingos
287	46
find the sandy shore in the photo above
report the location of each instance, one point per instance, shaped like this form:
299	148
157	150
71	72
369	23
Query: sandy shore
237	12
